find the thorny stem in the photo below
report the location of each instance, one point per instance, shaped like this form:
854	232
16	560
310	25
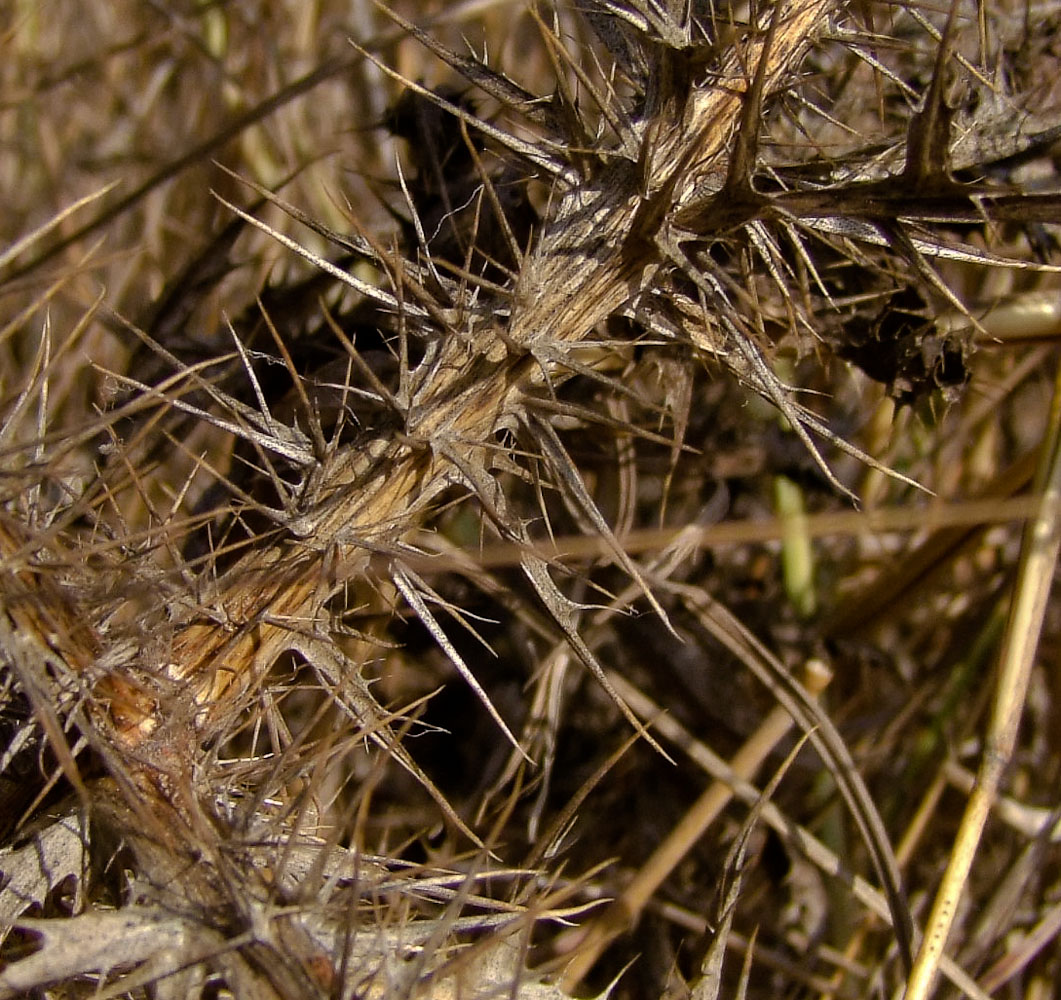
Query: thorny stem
581	271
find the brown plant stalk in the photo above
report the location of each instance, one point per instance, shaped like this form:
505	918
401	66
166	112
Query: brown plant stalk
583	268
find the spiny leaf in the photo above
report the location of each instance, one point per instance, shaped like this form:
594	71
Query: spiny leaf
413	589
928	136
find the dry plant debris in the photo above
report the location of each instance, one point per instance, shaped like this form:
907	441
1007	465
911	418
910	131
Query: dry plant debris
436	438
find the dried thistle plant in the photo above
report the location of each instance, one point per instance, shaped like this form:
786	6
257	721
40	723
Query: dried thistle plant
350	555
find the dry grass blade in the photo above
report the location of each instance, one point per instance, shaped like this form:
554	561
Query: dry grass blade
37	235
803	840
797	701
625	911
709	985
1035	576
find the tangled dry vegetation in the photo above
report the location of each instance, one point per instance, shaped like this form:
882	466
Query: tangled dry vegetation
430	443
